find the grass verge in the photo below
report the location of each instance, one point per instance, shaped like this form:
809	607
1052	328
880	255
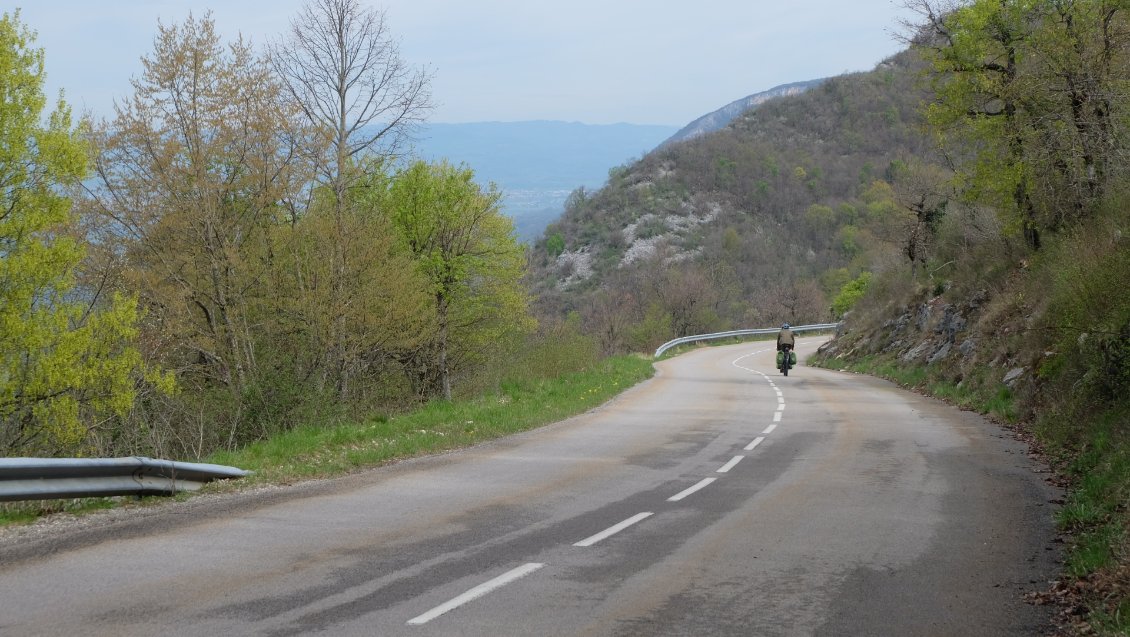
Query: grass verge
319	452
438	426
1096	515
992	399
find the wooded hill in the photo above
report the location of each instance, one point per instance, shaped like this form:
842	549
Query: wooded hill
759	223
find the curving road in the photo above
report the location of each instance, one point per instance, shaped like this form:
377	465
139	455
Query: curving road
718	498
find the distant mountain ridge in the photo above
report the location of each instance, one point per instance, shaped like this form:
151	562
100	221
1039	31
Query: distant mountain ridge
540	153
538	163
720	118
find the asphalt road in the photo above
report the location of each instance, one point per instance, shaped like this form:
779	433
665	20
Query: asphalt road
719	498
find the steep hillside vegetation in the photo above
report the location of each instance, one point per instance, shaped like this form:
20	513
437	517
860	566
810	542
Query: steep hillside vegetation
761	222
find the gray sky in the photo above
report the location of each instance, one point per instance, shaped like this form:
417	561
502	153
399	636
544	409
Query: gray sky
592	61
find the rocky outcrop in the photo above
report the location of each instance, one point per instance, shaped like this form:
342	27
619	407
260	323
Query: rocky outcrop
928	333
950	337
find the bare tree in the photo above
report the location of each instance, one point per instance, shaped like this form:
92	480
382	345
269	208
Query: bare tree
343	68
924	191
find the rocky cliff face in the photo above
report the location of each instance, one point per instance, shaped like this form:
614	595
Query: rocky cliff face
720	118
966	341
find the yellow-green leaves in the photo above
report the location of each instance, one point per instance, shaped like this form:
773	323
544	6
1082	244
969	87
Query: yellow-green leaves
465	247
63	363
1030	97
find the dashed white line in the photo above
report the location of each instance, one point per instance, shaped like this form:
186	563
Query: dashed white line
476	592
682	494
613	530
526	569
730	465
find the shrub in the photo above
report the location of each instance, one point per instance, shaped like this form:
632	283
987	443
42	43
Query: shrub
850	294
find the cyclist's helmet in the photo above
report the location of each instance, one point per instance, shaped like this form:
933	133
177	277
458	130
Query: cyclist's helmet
785	326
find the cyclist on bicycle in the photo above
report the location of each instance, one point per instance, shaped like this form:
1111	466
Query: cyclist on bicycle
785	337
786	343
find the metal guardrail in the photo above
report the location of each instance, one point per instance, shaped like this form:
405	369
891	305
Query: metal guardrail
48	478
770	330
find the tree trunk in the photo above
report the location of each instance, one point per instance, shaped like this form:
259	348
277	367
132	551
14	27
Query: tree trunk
444	372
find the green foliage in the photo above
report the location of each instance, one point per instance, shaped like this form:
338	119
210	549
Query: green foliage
523	403
1028	85
847	239
63	362
653	330
182	212
556	349
18	513
850	294
651	226
465	248
342	285
555	245
833	280
1090	312
820	219
1095	511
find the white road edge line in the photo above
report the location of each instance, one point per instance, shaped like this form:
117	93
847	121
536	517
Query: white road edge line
682	494
476	592
756	441
730	465
613	530
769	429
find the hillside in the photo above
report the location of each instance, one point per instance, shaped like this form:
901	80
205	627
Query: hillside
760	222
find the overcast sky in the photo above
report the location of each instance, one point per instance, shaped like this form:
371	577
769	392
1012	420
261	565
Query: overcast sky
592	61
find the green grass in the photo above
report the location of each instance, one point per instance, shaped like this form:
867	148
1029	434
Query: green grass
907	376
990	398
318	452
1096	513
13	513
439	426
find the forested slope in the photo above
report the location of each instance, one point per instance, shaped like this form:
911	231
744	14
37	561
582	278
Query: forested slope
762	222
